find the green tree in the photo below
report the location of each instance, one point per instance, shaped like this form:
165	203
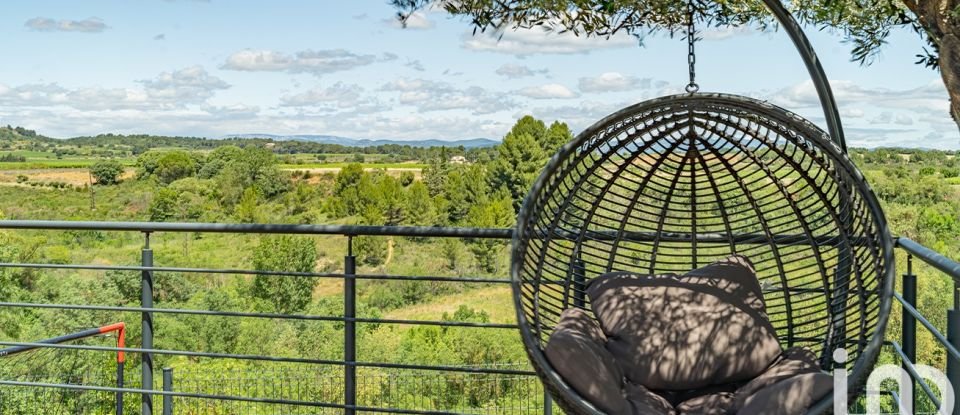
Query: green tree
256	168
248	209
420	209
436	172
285	253
557	135
466	186
175	165
495	214
147	163
106	172
219	159
518	163
865	24
407	178
391	199
164	205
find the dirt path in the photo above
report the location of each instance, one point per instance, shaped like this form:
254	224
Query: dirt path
389	252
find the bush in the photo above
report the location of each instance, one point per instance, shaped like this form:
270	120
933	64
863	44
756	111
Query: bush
370	250
106	172
290	254
174	166
406	178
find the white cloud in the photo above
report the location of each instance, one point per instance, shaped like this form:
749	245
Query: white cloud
929	97
188	85
539	40
852	113
896	117
512	71
177	89
548	91
340	95
612	82
315	62
232	112
45	24
578	116
415	65
427	95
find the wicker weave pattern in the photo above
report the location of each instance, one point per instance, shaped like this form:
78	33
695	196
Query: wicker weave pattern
672	184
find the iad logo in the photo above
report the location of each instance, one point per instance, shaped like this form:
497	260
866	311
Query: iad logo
896	373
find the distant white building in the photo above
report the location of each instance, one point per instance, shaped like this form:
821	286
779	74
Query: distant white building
458	160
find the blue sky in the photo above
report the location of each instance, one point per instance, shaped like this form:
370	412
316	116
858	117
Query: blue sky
217	67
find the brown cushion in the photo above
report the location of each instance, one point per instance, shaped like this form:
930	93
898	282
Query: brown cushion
681	332
792	396
719	403
576	352
792	362
647	402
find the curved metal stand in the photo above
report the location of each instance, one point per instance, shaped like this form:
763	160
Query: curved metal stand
819	78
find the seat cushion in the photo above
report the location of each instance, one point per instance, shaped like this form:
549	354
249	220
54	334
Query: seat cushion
792	362
681	332
719	403
646	402
575	350
791	396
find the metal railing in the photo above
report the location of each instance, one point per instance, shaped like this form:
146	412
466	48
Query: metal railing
344	373
906	349
345	369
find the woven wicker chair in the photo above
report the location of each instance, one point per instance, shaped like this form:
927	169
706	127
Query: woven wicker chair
668	185
674	183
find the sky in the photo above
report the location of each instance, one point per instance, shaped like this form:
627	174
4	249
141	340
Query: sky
220	67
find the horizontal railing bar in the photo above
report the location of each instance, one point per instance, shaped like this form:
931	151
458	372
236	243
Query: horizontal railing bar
933	330
415	231
459	369
258	228
931	257
913	372
274	401
338	275
258	315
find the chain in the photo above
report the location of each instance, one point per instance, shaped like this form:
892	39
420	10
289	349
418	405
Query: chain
692	87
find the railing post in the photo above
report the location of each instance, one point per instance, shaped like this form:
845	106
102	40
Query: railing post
119	394
146	327
909	329
167	387
349	330
953	336
547	403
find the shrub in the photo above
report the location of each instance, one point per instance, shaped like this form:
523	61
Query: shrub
285	253
106	172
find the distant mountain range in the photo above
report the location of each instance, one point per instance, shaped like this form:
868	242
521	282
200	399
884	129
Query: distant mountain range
353	142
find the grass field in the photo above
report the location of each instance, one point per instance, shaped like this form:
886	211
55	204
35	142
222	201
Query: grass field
66	163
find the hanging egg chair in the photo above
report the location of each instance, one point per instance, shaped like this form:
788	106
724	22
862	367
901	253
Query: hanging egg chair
673	184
